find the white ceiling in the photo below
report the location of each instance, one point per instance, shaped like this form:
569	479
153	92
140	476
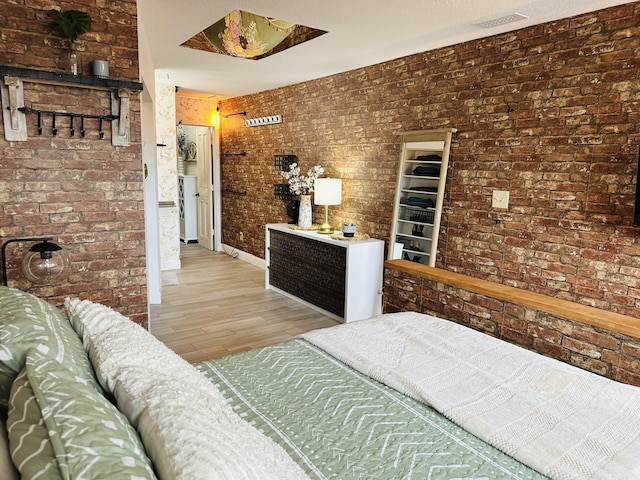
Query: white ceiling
361	32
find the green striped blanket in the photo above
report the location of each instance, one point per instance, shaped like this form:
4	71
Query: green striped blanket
337	423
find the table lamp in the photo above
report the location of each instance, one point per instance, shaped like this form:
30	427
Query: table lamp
327	191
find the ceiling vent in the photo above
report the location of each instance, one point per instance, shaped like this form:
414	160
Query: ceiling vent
497	22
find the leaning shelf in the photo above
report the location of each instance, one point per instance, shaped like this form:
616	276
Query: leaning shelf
422	174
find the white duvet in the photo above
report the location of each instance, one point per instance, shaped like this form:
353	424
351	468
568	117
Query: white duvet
188	429
565	422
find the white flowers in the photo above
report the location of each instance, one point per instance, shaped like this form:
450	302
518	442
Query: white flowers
299	184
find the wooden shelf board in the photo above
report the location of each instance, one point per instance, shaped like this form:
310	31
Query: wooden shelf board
554	306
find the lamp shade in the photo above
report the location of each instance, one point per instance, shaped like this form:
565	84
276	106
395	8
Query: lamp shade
46	263
327	191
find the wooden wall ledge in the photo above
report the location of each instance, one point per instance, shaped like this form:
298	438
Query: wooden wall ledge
554	306
53	78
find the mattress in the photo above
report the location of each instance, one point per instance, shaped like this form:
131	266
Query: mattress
338	423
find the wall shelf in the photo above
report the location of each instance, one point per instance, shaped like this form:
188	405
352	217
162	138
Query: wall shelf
419	195
14	111
40	76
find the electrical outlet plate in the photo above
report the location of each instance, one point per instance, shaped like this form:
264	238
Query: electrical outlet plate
500	199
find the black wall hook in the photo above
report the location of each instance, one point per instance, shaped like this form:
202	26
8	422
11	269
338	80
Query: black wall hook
72	116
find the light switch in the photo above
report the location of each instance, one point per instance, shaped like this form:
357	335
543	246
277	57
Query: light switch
500	199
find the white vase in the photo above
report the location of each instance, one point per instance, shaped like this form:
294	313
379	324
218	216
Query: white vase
305	217
73	63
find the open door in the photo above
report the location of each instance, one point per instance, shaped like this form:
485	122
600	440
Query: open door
205	216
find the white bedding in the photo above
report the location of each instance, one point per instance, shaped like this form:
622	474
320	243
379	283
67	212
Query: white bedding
565	422
188	429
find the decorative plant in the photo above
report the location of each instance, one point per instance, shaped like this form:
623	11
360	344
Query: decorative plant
72	22
299	184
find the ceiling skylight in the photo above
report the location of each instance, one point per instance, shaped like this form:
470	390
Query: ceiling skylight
248	35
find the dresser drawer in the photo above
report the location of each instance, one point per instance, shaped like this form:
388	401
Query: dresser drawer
322	253
329	300
298	267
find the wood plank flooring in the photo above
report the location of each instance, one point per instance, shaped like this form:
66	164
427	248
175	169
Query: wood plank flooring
219	306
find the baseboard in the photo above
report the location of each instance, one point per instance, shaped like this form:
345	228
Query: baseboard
154	298
244	256
170	265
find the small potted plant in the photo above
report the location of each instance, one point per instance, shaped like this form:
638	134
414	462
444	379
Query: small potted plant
73	23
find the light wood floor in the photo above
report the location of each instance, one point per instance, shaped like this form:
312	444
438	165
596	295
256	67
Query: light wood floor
220	307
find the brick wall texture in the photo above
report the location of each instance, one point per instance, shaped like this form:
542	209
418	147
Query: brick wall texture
601	351
549	113
83	192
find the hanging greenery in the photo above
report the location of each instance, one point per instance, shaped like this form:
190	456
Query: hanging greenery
72	22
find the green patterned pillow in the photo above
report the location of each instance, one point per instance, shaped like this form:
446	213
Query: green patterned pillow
27	322
29	442
88	437
7	468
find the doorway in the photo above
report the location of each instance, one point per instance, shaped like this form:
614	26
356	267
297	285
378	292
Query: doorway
199	180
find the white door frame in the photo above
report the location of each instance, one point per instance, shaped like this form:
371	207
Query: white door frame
150	189
216	195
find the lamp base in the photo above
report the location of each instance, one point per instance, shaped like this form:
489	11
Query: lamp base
325	228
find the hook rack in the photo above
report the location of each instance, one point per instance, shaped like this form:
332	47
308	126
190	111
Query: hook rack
232	114
240	154
268	120
234	192
72	116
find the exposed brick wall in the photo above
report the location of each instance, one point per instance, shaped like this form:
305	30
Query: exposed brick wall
549	113
604	352
84	192
30	39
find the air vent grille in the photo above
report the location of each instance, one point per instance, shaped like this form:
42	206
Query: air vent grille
496	22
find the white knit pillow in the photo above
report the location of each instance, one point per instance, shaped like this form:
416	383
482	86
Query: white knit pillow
187	427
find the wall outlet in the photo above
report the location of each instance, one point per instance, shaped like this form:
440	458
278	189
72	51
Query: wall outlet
500	199
241	235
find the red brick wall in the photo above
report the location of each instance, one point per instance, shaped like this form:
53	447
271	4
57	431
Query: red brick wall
84	192
549	113
604	352
30	39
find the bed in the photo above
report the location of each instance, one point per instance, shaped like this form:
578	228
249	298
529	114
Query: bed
90	394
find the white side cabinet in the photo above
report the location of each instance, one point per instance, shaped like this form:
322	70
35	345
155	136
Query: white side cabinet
341	278
419	195
187	196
